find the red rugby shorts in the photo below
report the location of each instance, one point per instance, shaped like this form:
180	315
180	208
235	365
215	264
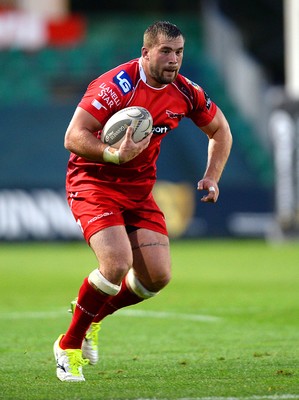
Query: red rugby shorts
94	211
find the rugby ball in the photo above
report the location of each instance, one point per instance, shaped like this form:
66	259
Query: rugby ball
114	130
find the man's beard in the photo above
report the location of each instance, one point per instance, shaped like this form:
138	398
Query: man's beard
160	78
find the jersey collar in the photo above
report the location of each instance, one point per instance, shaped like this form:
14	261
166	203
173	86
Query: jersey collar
141	71
143	76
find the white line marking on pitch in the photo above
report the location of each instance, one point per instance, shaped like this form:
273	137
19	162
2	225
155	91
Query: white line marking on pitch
270	397
126	313
168	315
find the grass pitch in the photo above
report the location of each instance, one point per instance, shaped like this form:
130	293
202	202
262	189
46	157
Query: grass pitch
226	326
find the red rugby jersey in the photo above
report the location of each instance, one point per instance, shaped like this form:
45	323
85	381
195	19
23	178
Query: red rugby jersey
125	86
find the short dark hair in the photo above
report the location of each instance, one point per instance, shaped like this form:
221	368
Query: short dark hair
165	28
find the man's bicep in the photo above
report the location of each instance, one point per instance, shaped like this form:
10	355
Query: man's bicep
218	122
82	119
82	126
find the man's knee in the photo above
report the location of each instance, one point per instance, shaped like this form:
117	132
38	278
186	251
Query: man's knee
146	290
99	282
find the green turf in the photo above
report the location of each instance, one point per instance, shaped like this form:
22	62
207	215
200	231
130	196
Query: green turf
246	292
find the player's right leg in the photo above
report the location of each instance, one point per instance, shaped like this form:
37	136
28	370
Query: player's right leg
90	343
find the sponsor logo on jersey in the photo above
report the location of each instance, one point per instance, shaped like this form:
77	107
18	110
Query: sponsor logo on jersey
174	115
108	95
123	81
208	101
160	129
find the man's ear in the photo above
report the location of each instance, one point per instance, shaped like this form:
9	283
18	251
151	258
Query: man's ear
145	53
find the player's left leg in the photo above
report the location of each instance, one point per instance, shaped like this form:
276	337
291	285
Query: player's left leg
150	273
151	262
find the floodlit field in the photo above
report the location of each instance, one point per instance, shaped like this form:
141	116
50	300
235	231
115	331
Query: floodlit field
227	326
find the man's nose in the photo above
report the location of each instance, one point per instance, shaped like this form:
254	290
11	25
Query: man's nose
173	58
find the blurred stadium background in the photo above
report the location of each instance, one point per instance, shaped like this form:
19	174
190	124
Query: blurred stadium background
50	51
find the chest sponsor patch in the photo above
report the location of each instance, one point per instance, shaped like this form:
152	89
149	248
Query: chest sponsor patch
123	81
